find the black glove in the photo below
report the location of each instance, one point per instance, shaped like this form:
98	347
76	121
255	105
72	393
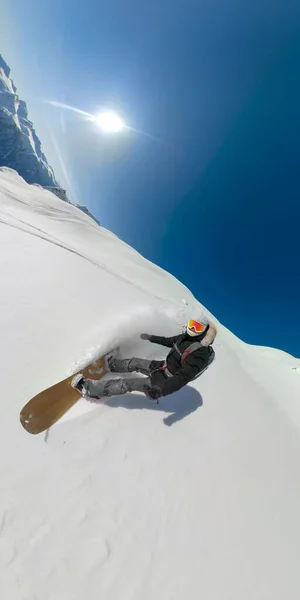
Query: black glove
145	336
152	392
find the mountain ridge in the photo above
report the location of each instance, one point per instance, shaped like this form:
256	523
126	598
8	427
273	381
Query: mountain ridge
20	147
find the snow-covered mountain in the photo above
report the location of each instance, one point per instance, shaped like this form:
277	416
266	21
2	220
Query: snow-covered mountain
20	148
197	497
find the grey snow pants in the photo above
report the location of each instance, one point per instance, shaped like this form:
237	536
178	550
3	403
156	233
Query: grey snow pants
116	387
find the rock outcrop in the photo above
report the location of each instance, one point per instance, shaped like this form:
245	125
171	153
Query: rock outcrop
20	147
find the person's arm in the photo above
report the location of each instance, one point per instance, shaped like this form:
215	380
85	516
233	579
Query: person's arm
173	384
210	335
158	339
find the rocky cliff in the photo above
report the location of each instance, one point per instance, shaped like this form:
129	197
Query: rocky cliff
20	148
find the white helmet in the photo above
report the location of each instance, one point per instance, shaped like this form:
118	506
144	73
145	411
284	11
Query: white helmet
197	326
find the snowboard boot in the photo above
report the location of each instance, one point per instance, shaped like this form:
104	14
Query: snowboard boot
78	384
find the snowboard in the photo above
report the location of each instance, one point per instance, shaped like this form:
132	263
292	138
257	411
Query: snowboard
47	407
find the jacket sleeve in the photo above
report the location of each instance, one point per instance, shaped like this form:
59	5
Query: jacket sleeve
196	363
172	384
164	341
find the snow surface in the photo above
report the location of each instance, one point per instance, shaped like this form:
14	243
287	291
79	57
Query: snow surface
197	497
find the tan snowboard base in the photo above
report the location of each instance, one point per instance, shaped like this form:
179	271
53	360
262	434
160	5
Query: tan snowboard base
47	407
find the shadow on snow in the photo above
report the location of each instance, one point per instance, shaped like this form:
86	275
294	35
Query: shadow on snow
180	405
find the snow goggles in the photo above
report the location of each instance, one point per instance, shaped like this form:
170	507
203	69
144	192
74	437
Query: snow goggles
196	326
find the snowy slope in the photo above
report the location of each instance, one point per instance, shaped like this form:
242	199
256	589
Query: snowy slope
197	497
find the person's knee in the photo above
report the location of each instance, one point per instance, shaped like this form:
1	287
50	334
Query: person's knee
116	387
132	364
138	364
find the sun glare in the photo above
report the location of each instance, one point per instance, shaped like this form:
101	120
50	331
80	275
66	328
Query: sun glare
110	122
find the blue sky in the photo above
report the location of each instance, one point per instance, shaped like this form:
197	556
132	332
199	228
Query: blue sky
214	198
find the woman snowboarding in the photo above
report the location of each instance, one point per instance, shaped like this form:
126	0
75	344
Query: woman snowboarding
191	353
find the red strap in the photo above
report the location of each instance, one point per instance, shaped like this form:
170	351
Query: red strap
185	354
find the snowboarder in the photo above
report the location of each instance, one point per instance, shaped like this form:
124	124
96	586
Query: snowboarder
190	355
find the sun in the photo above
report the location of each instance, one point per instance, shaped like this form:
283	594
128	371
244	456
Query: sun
109	121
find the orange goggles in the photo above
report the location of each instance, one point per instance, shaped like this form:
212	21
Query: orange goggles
196	326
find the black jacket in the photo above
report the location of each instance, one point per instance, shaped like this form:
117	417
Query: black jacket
184	372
